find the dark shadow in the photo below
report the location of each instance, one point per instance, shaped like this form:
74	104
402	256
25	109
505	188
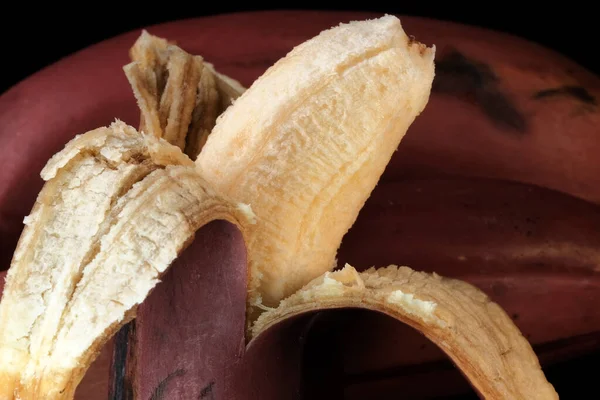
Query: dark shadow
355	354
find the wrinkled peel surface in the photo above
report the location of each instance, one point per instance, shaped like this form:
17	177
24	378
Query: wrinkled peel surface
117	208
306	144
179	95
472	330
83	182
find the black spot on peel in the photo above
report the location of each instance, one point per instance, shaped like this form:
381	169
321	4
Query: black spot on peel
207	392
159	391
476	83
121	387
576	92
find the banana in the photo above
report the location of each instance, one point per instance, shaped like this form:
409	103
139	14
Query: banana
179	95
306	152
503	108
277	139
515	242
111	200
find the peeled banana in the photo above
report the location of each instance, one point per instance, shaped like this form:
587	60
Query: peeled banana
286	161
305	152
290	163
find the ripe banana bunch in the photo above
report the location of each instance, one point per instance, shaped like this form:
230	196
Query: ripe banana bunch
290	163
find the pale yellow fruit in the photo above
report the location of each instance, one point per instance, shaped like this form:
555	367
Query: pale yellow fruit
306	144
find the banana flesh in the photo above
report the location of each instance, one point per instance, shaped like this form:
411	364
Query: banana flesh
307	142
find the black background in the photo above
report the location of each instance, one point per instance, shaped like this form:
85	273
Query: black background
37	35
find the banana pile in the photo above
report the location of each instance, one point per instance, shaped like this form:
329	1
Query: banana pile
290	161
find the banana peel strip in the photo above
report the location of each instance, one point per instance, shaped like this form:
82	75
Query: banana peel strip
473	331
179	95
116	210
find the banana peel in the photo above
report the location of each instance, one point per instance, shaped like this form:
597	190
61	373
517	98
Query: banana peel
117	207
269	361
179	95
312	154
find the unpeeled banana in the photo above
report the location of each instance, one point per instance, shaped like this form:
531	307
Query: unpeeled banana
505	108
